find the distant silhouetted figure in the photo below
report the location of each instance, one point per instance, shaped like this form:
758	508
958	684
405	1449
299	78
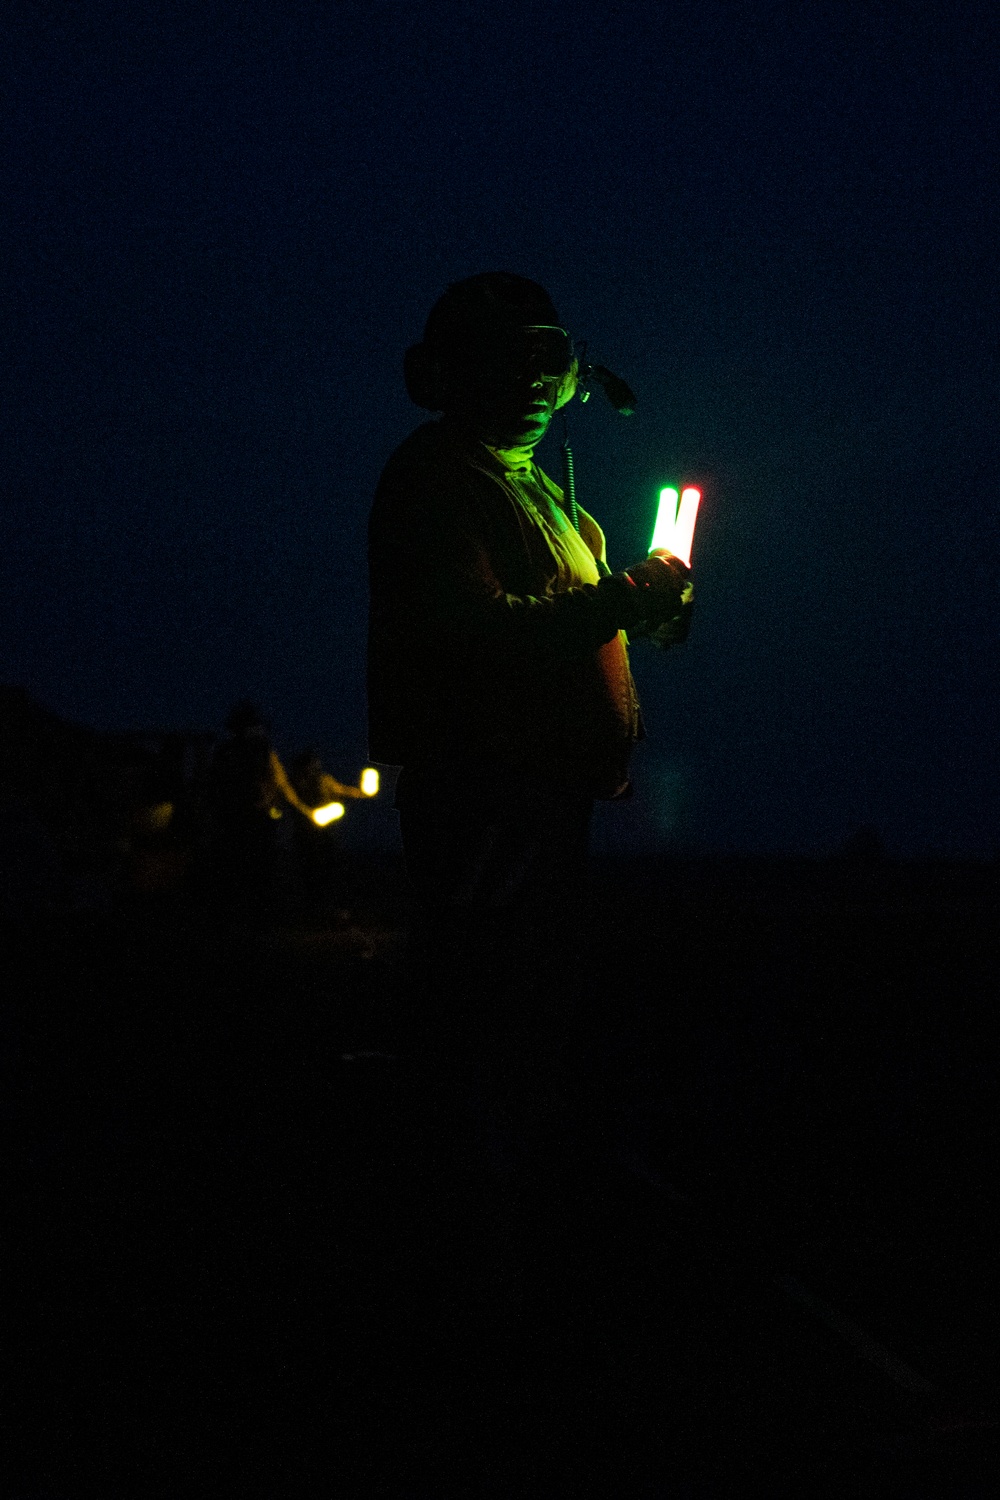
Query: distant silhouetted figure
245	782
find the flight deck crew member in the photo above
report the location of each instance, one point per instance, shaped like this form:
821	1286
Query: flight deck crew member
498	673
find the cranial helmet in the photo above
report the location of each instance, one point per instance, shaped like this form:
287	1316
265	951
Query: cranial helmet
468	324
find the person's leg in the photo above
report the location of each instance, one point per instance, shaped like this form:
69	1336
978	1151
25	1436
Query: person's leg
499	964
498	941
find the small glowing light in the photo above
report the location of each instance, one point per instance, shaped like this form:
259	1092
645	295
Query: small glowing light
328	814
275	812
675	521
153	819
369	782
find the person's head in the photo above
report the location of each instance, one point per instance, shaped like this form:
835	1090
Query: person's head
494	356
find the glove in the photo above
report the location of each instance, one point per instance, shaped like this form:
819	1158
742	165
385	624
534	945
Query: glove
665	589
671	633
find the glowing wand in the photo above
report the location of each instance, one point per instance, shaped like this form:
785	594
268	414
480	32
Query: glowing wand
329	813
675	520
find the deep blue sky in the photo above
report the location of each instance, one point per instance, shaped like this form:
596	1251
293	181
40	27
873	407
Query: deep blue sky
224	223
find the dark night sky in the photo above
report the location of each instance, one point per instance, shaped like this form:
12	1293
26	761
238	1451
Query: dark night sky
223	224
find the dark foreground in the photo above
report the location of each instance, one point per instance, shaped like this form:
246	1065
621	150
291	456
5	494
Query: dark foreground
254	1246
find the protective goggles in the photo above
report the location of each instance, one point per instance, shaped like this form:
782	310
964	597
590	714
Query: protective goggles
538	349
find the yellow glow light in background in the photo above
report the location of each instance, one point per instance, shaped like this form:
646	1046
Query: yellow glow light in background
369	782
328	814
153	819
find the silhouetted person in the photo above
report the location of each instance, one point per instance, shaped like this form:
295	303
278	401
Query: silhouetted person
245	783
498	680
498	673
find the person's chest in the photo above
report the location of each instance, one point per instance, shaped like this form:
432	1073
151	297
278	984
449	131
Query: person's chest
559	558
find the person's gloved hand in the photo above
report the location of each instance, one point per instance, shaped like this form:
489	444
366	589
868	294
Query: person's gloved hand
671	633
665	586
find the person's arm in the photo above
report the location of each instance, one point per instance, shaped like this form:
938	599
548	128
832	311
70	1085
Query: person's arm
432	549
333	789
672	632
286	788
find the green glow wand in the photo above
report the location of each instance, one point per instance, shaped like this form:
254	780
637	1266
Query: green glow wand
674	529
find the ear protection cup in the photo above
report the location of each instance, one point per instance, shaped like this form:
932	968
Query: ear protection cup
424	378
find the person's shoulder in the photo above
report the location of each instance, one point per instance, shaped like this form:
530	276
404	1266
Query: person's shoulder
429	447
431	465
